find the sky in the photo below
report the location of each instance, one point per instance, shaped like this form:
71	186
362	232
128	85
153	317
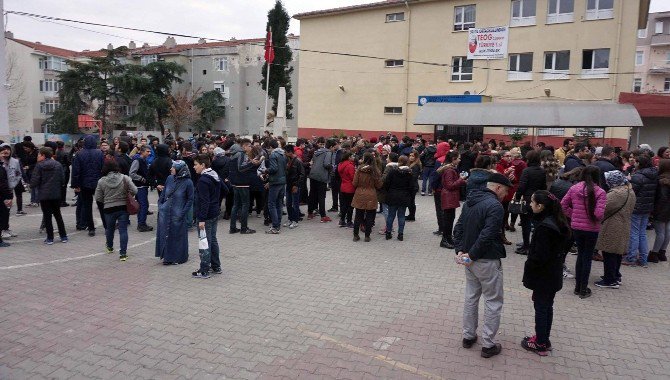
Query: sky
220	19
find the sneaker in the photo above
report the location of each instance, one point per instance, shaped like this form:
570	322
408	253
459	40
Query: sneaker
567	274
491	351
48	241
641	264
293	225
21	213
350	225
234	231
531	344
423	194
585	293
91	233
144	228
272	231
217	271
248	231
367	239
198	274
357	237
342	225
326	219
123	257
287	224
628	263
310	216
333	209
6	235
267	222
4	244
64	239
468	343
603	284
109	249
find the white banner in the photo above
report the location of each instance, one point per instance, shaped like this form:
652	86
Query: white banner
488	43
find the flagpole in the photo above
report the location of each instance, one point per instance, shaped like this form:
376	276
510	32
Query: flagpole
267	90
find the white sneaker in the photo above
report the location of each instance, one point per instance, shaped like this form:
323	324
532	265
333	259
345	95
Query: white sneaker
567	274
6	235
287	224
293	225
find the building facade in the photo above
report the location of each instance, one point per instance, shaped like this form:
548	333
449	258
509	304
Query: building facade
652	57
382	57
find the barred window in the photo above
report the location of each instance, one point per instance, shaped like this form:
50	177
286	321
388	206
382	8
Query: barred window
551	131
514	130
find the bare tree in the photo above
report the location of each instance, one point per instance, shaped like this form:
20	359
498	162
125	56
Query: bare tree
17	89
181	111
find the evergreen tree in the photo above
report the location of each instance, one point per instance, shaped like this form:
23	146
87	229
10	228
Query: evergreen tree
210	109
280	72
71	104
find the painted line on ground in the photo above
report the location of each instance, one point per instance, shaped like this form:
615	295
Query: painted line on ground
98	223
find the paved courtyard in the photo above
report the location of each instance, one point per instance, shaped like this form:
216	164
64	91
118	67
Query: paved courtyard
308	303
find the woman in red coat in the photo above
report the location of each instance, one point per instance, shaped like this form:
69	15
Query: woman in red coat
450	196
347	171
518	165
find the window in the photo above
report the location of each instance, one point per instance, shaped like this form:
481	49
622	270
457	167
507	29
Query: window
595	63
514	130
639	58
223	90
551	131
523	12
48	107
147	59
393	17
637	85
556	65
221	64
520	67
125	110
666	85
393	110
394	63
561	11
461	69
658	29
53	63
50	85
597	133
599	9
642	33
464	17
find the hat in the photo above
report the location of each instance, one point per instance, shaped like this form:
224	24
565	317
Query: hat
615	178
499	179
219	152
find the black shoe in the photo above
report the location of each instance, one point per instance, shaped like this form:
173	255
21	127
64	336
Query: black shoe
150	212
512	229
217	270
333	209
169	263
80	228
400	236
248	231
410	219
357	238
522	251
234	231
389	235
144	228
267	222
91	232
468	343
491	351
199	274
437	233
446	244
64	204
367	239
586	293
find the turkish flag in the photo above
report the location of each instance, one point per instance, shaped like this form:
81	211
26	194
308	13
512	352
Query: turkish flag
269	49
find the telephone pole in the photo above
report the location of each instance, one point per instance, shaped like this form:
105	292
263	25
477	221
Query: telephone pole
4	86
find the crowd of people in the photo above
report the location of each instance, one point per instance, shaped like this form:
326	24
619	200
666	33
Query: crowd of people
594	201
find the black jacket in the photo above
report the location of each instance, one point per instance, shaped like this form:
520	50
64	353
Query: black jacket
6	192
48	177
572	162
159	170
543	271
428	156
208	192
662	205
533	178
644	183
124	163
477	231
604	165
560	187
398	187
295	172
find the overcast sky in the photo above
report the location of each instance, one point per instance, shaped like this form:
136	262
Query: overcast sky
221	19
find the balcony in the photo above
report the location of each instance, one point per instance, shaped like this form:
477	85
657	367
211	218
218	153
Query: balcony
659	67
660	40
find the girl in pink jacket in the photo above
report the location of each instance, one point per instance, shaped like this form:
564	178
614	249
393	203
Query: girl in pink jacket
584	205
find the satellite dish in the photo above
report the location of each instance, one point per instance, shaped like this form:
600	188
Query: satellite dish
466	93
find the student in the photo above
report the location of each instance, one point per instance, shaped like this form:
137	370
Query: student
543	270
47	178
208	191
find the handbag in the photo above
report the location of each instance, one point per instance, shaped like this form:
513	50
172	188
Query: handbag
518	207
132	205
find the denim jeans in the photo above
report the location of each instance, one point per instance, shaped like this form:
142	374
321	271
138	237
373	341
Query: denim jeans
662	236
544	315
425	177
34	196
638	239
275	201
123	219
209	258
392	212
292	204
240	208
586	243
142	197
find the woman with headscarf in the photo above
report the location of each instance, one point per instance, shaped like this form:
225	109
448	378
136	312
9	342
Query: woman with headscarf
173	205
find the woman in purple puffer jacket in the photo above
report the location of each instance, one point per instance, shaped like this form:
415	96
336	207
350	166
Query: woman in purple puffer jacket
584	205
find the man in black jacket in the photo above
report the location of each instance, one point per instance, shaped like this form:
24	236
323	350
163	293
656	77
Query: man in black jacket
208	189
479	246
139	173
575	160
6	196
295	174
604	163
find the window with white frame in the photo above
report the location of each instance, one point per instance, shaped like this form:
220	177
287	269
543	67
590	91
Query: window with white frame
642	33
639	58
53	63
666	85
599	9
556	65
48	107
637	85
595	63
523	12
597	133
393	110
394	63
514	130
561	11
461	69
520	66
221	64
394	17
464	17
147	59
223	90
658	29
50	85
551	131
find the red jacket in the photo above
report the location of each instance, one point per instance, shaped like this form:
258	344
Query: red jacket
299	152
500	168
347	172
442	150
451	189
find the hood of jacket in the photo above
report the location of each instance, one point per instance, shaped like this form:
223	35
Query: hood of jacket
162	150
90	142
442	149
278	151
321	151
112	179
211	173
404	170
478	195
235	149
431	150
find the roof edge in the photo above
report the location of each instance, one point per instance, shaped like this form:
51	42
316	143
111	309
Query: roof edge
352	8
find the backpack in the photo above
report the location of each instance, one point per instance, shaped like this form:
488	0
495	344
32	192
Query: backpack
435	180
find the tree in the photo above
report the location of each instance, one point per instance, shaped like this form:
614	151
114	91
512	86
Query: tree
71	103
152	84
517	136
17	90
103	79
210	109
181	111
280	72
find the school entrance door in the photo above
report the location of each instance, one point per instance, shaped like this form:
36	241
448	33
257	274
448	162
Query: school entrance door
459	133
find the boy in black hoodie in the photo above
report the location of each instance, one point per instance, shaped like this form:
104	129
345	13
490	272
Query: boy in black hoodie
208	190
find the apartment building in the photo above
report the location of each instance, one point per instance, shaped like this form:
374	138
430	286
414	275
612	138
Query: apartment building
379	62
231	67
652	57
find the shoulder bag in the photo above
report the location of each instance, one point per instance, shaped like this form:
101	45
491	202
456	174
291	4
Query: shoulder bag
132	206
518	207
